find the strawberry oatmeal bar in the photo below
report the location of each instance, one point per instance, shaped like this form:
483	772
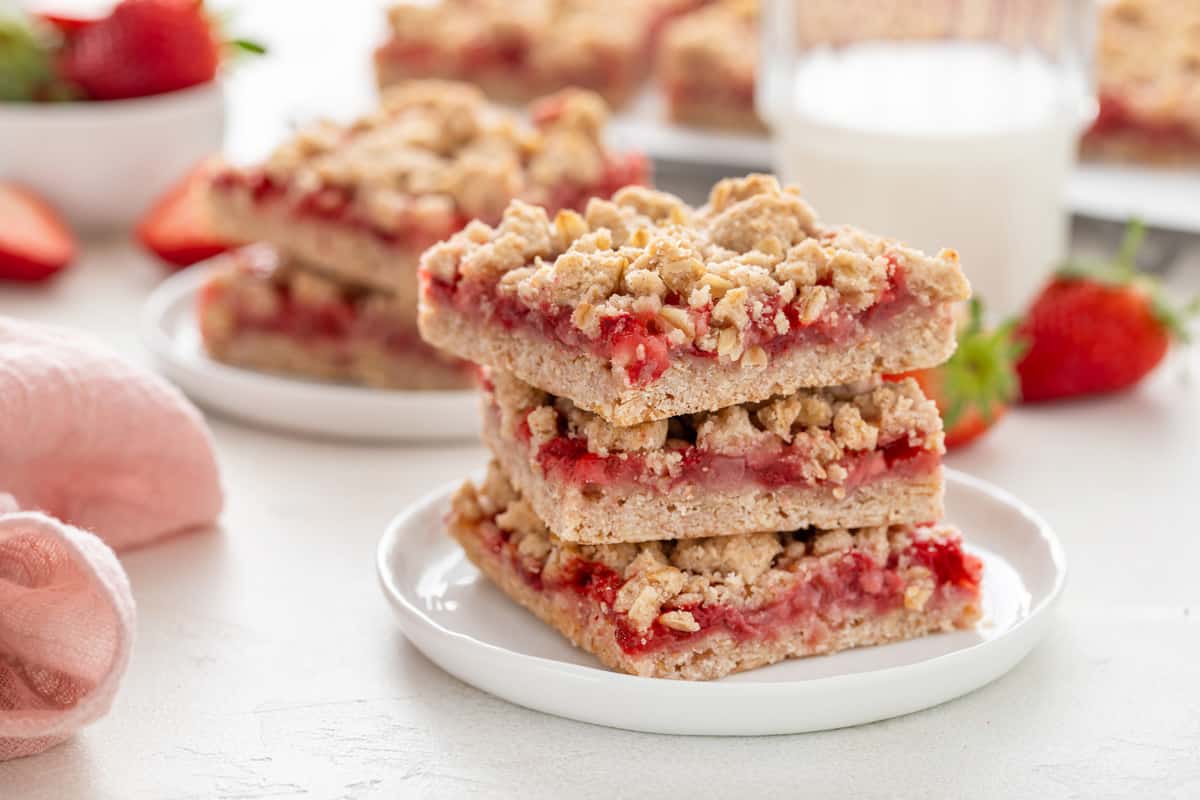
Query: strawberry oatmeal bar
363	200
706	66
1149	81
515	51
264	311
703	608
841	457
642	308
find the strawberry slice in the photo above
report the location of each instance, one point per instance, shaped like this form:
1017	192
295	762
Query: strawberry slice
34	242
178	228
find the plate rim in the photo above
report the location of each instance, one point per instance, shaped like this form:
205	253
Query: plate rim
1037	614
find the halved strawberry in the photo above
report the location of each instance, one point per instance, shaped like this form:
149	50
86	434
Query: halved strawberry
178	227
34	242
975	387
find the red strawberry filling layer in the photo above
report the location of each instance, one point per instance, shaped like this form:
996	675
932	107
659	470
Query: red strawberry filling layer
641	344
566	459
832	591
337	322
1116	117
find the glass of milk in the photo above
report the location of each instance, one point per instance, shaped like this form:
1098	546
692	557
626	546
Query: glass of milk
944	123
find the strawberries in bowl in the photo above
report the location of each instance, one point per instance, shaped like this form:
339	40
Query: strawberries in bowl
141	48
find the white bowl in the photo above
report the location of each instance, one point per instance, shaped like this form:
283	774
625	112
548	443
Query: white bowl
103	163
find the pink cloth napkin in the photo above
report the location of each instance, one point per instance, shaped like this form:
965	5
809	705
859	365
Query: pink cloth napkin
66	626
98	442
97	451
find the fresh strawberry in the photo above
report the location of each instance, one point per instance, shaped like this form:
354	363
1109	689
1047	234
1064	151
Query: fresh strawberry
146	47
1096	328
974	389
178	227
34	242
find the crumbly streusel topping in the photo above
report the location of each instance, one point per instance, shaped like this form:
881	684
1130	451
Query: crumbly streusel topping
753	249
824	424
1149	59
721	39
742	570
437	148
552	35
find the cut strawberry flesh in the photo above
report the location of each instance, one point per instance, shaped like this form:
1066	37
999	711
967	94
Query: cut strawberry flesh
34	241
178	228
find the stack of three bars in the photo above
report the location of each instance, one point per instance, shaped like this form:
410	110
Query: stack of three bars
698	468
344	211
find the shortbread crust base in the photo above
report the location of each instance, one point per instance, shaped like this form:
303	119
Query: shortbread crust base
712	114
917	338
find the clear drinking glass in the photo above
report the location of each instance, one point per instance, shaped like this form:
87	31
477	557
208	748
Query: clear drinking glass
945	123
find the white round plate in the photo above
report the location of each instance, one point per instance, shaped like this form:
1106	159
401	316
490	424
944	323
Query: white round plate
467	627
170	331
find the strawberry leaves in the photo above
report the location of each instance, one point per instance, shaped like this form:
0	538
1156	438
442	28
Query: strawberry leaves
981	376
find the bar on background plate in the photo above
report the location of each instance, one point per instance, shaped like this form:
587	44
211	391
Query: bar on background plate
840	457
1148	81
363	200
705	608
706	66
643	309
264	311
516	51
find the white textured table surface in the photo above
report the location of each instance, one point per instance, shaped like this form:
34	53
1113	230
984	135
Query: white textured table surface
267	663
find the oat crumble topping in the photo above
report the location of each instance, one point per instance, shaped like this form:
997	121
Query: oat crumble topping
741	571
824	424
436	150
552	36
753	250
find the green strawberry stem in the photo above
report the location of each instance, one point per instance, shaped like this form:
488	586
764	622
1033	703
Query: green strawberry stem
247	46
981	373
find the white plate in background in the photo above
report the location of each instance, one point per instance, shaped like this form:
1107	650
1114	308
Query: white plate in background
470	629
171	333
